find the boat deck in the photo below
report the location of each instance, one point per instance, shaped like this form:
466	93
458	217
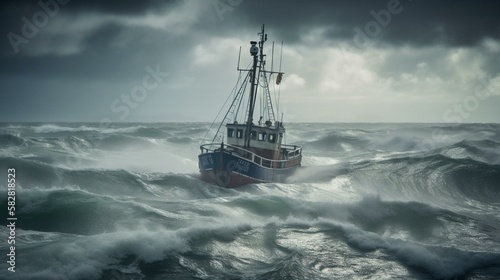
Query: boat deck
290	155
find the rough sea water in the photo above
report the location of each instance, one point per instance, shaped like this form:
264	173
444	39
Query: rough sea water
372	201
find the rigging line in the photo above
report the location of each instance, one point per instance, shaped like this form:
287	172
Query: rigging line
222	123
272	58
264	77
223	106
216	117
227	113
262	96
239	92
279	86
262	87
237	82
212	124
265	92
244	112
274	91
284	134
245	83
247	80
276	101
269	104
266	108
281	55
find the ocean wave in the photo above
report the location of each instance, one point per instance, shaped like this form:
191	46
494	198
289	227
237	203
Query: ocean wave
433	177
397	143
432	262
370	213
37	174
181	140
140	129
337	141
87	257
483	150
51	128
55	209
84	257
34	173
270	239
371	201
8	140
113	142
345	141
70	144
181	187
150	132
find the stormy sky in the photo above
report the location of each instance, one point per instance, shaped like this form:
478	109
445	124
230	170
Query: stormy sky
167	61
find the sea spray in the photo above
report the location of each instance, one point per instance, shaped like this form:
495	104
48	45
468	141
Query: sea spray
369	202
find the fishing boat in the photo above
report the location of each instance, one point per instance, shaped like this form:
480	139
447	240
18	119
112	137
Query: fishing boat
243	151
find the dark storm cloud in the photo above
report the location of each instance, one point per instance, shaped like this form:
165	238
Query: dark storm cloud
95	47
447	23
98	60
97	56
42	80
454	23
419	22
106	6
15	14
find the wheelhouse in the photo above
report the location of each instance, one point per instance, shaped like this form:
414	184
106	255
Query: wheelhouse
264	140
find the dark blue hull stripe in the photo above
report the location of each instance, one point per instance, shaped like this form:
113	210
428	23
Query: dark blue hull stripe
232	164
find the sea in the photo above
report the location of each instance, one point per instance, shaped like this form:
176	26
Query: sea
371	201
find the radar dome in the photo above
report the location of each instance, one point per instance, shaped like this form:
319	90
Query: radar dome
254	50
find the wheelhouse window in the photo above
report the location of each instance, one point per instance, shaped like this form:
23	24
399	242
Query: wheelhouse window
262	136
239	133
230	132
253	135
272	138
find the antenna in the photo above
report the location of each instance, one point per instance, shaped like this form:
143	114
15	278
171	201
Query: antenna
281	55
272	58
279	89
239	56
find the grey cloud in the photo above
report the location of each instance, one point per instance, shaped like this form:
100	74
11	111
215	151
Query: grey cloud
110	42
418	23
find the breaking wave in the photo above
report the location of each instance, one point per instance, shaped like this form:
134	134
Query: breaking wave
371	201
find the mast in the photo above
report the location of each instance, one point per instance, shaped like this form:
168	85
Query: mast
254	51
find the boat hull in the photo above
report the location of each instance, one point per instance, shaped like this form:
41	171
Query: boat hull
230	170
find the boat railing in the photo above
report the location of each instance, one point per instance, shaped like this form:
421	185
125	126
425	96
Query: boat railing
291	153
